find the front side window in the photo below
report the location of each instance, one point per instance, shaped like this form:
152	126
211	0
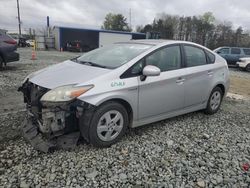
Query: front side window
235	51
194	56
166	59
113	56
224	51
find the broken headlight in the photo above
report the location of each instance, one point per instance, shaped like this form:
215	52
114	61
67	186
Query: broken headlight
65	93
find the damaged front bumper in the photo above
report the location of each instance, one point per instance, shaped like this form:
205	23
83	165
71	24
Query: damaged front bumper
51	126
45	137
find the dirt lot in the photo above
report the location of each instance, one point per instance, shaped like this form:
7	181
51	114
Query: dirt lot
240	83
193	150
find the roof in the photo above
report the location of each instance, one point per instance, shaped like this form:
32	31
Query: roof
3	30
151	41
157	41
100	30
160	42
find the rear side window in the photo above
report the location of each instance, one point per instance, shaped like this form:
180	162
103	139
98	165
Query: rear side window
194	56
210	57
235	50
246	51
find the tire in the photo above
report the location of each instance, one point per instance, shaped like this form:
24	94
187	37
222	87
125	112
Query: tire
1	63
248	68
214	101
28	44
103	130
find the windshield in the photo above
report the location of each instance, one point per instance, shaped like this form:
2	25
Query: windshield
113	56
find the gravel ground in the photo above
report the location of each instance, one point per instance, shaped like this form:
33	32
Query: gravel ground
238	73
193	150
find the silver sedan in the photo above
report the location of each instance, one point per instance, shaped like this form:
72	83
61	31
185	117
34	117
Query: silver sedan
101	94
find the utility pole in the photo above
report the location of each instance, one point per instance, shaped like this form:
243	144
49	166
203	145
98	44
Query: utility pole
18	17
130	25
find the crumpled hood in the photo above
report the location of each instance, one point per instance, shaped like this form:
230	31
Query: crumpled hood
66	73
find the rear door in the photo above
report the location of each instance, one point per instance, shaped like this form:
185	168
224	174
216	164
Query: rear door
199	76
235	55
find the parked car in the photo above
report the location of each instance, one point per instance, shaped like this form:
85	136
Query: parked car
102	93
22	42
78	46
8	48
233	54
30	43
244	64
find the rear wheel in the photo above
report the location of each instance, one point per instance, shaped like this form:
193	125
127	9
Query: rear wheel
248	68
109	123
214	101
1	62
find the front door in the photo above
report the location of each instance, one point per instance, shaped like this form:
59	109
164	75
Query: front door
164	93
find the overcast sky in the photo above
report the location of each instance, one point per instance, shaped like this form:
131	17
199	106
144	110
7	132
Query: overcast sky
91	13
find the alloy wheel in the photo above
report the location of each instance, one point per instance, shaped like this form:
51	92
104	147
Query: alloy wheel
215	100
110	125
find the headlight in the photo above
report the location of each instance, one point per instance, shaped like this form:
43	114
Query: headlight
65	93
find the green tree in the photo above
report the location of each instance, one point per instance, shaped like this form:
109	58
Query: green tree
238	36
116	22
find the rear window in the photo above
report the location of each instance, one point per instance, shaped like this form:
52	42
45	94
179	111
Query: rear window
235	50
246	51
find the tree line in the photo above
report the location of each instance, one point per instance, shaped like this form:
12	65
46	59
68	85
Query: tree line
203	29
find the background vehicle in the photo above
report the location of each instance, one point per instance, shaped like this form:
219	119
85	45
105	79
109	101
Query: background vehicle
78	46
30	43
22	42
244	64
103	92
232	54
8	47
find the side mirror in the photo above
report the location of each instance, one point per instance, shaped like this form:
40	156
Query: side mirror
218	52
151	70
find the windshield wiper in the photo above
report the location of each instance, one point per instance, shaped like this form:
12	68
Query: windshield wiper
90	63
75	58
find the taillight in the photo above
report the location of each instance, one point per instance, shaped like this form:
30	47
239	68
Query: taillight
10	41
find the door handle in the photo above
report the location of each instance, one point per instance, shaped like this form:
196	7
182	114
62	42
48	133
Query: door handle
210	73
180	80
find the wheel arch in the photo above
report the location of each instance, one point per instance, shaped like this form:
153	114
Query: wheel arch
2	56
222	87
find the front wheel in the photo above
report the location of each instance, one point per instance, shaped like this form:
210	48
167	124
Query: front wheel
214	101
109	123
